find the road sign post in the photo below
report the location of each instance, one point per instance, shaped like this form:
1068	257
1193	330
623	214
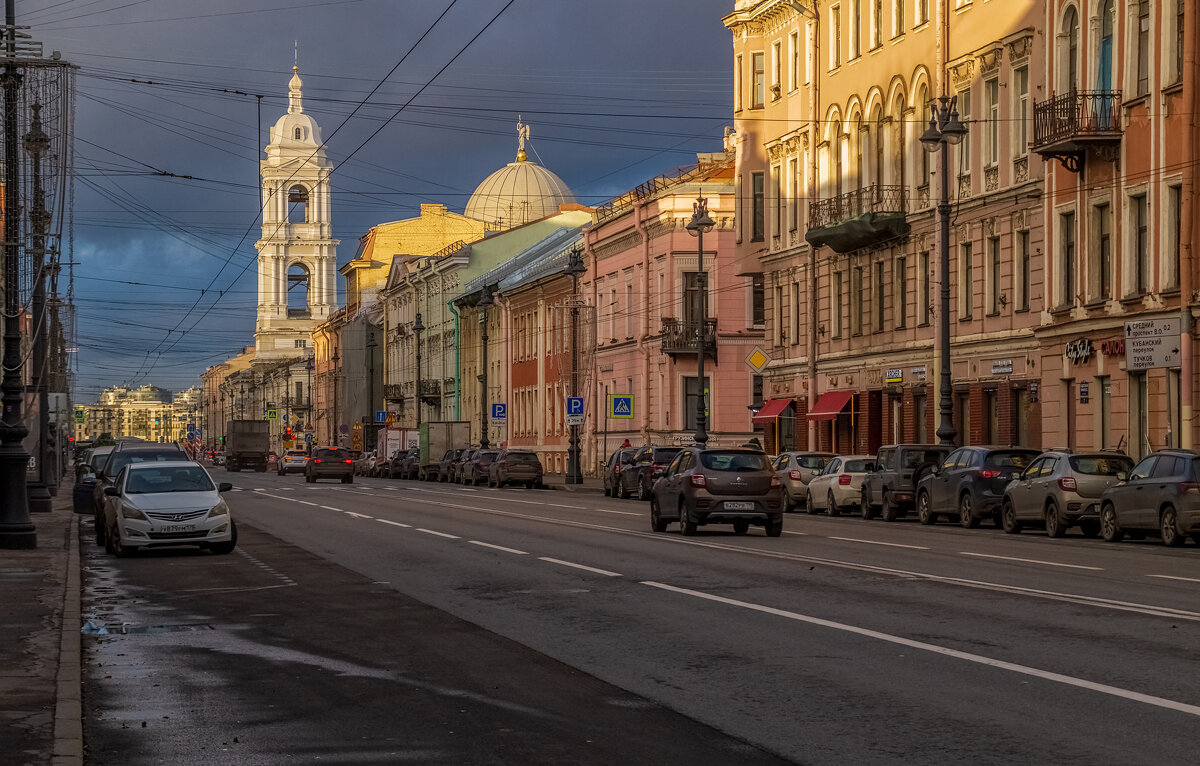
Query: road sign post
1151	343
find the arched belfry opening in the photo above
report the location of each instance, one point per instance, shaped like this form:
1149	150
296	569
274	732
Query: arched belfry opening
298	204
298	288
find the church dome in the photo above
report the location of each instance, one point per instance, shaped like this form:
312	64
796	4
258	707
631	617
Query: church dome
520	192
296	129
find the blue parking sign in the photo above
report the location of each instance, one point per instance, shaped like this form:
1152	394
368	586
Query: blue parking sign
499	411
574	405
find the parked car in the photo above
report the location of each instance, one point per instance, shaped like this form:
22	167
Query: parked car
796	470
617	460
406	466
475	470
293	461
839	485
640	473
969	484
330	463
1161	493
1060	490
514	466
892	487
125	453
449	458
86	468
363	463
173	502
718	486
457	468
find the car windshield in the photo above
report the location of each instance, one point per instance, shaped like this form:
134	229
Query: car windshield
914	458
522	457
190	478
1016	459
815	462
1095	465
119	460
486	457
735	461
858	466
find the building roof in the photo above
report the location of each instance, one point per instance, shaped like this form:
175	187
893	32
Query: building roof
519	192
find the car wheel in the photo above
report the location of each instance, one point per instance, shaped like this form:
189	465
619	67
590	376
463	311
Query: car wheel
108	546
832	508
347	479
1089	528
774	527
808	504
621	491
1109	529
113	544
925	514
281	472
529	485
656	522
1008	518
1054	522
891	511
226	547
741	527
607	489
643	490
966	512
687	527
1169	529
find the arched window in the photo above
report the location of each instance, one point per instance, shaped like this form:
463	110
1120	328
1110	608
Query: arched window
1104	60
298	134
924	165
298	292
297	204
877	140
1070	42
862	152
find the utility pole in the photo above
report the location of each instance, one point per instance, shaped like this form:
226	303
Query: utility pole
16	529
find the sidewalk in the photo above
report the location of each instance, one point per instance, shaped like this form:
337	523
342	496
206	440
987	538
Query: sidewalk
40	706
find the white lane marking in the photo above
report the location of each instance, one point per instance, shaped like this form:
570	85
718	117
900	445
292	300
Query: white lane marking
394	523
439	534
305	502
498	547
331	508
580	566
357	515
1082	683
619	513
797	534
1172	577
876	542
1030	561
560	505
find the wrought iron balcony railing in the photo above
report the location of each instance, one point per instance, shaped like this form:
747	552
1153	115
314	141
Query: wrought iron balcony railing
431	391
861	218
869	199
1066	125
679	337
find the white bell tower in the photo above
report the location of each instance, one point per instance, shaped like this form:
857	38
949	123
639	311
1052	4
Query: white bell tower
297	255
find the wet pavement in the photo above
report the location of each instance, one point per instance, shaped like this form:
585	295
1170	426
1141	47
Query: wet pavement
271	655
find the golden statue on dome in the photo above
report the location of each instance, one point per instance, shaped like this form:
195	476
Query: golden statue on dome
522	137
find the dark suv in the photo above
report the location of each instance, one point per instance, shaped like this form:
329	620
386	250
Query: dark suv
123	454
1161	493
969	484
330	463
612	469
892	486
647	465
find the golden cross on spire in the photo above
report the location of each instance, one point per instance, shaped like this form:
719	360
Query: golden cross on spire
296	52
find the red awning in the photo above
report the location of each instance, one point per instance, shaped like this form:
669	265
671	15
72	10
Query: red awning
830	404
771	410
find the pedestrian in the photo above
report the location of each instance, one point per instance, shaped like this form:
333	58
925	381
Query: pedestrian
626	443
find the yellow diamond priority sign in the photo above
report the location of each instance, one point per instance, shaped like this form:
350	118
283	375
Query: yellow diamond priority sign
757	360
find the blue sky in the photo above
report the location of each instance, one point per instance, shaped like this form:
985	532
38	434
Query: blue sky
615	91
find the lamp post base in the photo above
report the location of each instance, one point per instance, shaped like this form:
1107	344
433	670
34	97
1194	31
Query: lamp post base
17	532
39	497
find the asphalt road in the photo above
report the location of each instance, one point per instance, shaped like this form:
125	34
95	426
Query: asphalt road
843	641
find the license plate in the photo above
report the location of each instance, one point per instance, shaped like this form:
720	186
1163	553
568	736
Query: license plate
179	528
734	506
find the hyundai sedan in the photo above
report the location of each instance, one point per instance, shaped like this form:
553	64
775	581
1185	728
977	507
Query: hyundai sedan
151	505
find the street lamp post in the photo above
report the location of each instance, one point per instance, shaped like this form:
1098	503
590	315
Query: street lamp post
335	426
575	269
944	130
485	303
700	224
241	401
36	143
417	329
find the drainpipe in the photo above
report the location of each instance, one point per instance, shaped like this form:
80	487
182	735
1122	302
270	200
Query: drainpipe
1186	233
814	304
639	225
457	375
600	401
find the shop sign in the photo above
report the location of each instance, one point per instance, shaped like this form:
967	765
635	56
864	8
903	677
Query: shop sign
1033	390
1002	367
1084	391
1114	347
918	373
893	376
1081	350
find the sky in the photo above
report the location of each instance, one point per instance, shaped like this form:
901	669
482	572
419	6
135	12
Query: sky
615	91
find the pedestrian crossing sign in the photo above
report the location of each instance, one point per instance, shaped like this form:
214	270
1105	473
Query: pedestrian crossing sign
620	406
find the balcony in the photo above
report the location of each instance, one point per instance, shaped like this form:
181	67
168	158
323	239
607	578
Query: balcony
862	218
393	392
1066	126
679	337
431	392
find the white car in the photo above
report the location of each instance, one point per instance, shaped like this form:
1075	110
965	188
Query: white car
293	461
839	485
175	502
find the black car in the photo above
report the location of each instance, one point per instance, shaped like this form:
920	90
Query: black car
123	454
647	466
330	463
612	468
969	484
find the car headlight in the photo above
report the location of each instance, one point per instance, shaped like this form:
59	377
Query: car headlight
130	512
220	509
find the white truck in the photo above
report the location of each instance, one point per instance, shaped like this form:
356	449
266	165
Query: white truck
435	439
392	439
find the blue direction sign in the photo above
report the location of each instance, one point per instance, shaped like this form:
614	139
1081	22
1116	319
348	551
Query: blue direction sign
380	416
574	405
308	437
499	411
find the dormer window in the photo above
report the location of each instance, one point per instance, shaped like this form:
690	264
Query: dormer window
299	134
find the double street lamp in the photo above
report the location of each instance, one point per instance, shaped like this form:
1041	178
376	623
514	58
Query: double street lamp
575	269
945	130
485	303
418	328
700	224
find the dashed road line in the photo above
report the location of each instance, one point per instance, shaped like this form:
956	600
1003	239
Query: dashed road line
1173	577
331	508
498	547
877	542
560	505
580	566
394	523
1030	561
1013	667
439	534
